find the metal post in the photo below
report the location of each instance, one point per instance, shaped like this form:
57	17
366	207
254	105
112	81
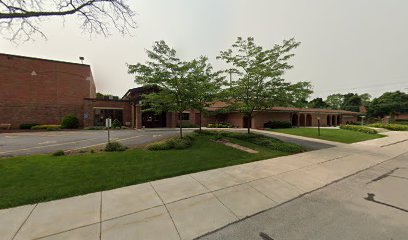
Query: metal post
108	135
108	125
318	124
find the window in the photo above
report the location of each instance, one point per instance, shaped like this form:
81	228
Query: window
184	116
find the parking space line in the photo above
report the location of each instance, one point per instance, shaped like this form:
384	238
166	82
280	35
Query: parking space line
45	146
94	145
67	143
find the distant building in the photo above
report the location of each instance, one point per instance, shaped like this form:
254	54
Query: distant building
42	91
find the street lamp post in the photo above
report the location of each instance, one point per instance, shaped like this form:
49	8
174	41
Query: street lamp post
318	124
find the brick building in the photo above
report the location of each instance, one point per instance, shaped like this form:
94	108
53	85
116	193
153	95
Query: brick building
42	91
34	90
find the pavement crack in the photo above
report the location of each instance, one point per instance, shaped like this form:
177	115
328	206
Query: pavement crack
383	176
168	212
32	210
404	178
265	236
394	143
370	197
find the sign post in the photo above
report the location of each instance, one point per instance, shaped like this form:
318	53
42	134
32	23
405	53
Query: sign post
362	120
108	123
318	124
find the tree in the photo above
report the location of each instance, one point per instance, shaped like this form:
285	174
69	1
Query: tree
173	76
300	92
20	20
390	103
351	102
335	101
206	84
260	84
365	99
318	103
102	96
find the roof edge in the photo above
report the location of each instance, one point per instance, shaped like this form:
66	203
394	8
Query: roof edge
43	59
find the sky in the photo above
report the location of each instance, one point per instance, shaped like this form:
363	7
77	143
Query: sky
346	45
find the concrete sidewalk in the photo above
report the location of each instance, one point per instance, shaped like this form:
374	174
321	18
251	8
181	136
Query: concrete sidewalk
189	206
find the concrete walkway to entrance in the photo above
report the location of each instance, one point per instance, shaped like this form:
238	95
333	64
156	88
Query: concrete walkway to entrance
189	206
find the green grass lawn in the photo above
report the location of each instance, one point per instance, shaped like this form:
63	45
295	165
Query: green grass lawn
336	135
31	179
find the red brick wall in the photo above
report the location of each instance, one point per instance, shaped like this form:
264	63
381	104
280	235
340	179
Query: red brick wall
56	90
90	104
260	118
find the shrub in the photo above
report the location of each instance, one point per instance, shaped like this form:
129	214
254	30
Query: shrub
70	122
359	129
277	124
115	147
376	125
46	127
220	125
181	143
27	125
392	127
116	123
396	127
401	121
58	153
258	139
172	143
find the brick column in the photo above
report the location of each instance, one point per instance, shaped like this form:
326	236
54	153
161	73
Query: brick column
132	118
138	116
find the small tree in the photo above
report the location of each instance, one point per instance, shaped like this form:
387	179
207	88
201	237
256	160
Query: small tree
173	76
206	84
260	85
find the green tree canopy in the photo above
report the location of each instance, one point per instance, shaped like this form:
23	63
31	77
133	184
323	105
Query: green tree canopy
317	103
351	102
172	75
260	84
389	103
206	84
334	101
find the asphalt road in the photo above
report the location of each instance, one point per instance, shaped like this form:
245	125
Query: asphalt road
340	211
27	143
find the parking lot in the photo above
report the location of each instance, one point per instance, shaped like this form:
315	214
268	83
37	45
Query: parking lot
27	143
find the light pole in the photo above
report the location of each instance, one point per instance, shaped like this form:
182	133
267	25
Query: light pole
318	124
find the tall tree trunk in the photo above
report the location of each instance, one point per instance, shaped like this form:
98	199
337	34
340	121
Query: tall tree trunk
200	121
249	123
181	124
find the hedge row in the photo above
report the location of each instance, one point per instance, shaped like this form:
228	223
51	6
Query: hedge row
359	129
172	143
46	127
220	125
392	127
